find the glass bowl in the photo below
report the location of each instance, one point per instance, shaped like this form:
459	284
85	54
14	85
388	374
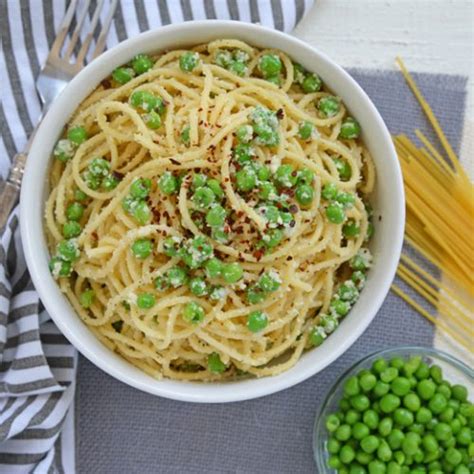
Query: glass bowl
454	371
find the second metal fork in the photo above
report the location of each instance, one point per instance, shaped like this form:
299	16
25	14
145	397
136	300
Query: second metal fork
55	74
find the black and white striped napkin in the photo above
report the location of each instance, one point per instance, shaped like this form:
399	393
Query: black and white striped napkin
37	364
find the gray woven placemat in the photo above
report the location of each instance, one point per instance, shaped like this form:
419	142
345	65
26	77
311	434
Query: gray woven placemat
121	430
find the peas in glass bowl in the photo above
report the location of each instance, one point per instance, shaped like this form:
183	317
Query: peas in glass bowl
402	410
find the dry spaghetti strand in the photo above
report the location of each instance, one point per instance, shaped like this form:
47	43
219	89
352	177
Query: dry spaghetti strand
439	225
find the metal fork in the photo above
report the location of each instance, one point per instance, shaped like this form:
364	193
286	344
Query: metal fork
55	74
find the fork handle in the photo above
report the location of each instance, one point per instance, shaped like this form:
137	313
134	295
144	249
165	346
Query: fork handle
11	188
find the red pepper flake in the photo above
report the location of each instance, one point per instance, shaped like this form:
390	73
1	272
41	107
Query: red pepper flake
175	162
293	208
289	258
292	223
280	114
258	254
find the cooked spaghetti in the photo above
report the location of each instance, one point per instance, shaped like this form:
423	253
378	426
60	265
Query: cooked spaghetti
208	215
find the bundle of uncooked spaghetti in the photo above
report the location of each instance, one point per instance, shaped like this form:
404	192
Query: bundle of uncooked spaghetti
439	225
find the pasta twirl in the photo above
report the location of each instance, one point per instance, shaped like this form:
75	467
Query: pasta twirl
208	215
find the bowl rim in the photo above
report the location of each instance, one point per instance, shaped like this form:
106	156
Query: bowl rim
36	256
331	394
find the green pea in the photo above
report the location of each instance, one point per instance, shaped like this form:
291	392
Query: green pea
146	300
203	197
129	203
335	213
77	135
269	65
64	150
223	58
423	371
311	83
341	308
59	267
246	179
199	250
263	172
193	312
389	374
334	463
232	272
410	444
257	321
343	168
142	248
176	276
360	402
305	176
358	262
352	417
350	229
238	67
243	152
329	191
389	403
447	415
266	133
350	129
347	454
141	63
358	278
371	419
122	75
214	364
364	458
168	183
68	250
185	138
306	130
269	281
98	167
403	417
393	468
299	73
304	194
343	433
161	283
442	431
438	403
152	120
384	453
140	188
400	386
268	191
244	133
459	392
273	237
395	439
453	456
352	387
110	182
423	416
367	382
255	295
385	427
188	61
143	100
198	286
216	216
412	402
215	187
141	212
381	389
74	211
286	176
316	336
328	106
360	431
370	444
87	298
79	195
333	446
213	267
71	229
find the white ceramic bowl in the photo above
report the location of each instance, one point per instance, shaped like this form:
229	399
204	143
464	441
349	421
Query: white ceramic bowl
388	201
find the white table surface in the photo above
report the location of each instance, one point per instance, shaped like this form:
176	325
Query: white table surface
430	35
